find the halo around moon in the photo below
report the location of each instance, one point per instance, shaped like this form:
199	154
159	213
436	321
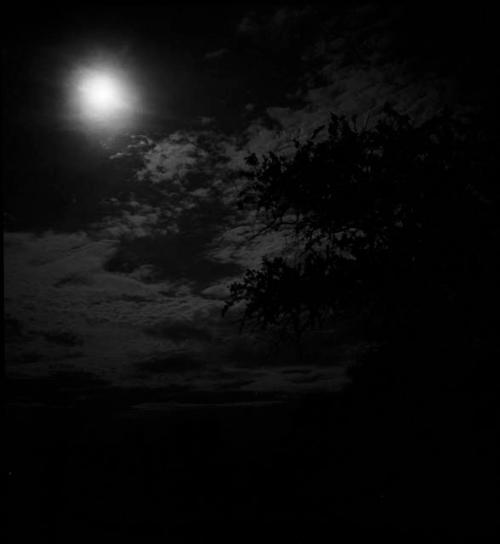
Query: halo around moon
103	98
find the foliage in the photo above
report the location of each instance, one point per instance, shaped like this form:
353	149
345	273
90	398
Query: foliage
398	220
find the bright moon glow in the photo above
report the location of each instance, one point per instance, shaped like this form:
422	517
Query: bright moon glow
102	94
103	97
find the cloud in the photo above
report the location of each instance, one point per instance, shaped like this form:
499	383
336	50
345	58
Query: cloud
350	66
141	220
216	54
248	25
204	120
233	245
59	282
173	156
282	20
184	152
136	143
287	14
218	291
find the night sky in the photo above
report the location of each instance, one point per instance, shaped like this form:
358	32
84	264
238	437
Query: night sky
122	236
120	241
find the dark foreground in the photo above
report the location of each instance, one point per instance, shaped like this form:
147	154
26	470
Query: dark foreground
167	466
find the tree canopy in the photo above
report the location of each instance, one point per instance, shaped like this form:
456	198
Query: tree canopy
397	221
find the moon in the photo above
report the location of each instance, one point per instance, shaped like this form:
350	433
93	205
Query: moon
103	97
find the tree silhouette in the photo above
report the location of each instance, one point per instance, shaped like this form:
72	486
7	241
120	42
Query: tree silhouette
397	222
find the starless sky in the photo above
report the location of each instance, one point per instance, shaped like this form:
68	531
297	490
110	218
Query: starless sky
210	60
188	61
130	290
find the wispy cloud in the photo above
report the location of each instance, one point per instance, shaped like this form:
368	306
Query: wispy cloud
281	20
216	54
205	120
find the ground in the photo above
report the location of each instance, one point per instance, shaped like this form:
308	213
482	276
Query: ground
165	464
